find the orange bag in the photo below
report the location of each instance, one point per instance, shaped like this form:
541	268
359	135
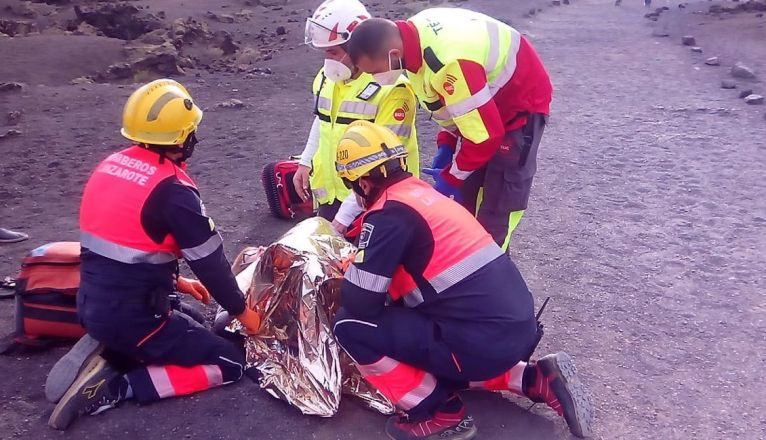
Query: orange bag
46	295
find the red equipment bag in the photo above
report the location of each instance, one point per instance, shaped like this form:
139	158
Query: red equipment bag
284	202
46	296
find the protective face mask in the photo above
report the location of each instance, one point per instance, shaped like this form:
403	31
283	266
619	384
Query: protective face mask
389	77
336	71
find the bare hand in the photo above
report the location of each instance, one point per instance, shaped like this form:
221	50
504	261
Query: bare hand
301	181
339	227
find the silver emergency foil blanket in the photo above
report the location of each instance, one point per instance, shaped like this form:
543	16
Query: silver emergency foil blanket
294	284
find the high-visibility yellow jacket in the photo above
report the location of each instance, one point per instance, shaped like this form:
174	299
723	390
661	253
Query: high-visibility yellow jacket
477	76
339	104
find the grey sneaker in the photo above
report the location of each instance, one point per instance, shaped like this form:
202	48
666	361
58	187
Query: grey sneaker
66	370
8	236
92	393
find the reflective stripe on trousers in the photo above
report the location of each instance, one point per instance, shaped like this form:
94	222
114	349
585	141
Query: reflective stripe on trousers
172	380
404	385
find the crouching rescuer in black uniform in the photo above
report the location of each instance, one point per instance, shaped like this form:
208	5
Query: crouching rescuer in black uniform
432	305
141	212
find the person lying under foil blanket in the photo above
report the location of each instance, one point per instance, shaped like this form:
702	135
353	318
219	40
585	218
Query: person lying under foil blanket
294	285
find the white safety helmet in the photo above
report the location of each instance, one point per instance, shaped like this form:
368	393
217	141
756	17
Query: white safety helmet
333	21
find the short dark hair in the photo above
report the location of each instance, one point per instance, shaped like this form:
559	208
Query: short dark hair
371	38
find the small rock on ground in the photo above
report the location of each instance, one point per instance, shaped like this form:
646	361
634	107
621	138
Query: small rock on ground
740	70
745	93
81	80
13	117
11	86
10	133
231	103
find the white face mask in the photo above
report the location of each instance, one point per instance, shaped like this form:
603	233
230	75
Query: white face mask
389	77
336	71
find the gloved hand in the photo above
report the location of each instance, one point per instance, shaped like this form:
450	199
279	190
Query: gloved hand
251	320
193	288
442	185
443	157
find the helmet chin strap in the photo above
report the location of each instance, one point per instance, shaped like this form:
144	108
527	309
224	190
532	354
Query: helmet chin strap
379	180
187	149
368	199
357	188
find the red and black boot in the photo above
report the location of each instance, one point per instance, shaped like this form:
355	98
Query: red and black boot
553	380
449	422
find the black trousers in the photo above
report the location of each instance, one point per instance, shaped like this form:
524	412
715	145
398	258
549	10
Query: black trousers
328	211
163	354
424	369
503	185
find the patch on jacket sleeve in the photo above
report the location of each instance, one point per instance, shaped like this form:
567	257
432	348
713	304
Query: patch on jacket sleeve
365	235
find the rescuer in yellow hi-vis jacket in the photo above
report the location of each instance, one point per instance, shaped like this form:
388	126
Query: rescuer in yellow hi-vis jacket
486	87
344	94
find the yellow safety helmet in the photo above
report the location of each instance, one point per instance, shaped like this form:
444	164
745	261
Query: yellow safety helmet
160	113
366	146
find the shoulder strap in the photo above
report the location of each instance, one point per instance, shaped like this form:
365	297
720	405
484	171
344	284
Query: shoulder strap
319	93
432	61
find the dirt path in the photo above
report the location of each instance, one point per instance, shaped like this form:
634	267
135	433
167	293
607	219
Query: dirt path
647	227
